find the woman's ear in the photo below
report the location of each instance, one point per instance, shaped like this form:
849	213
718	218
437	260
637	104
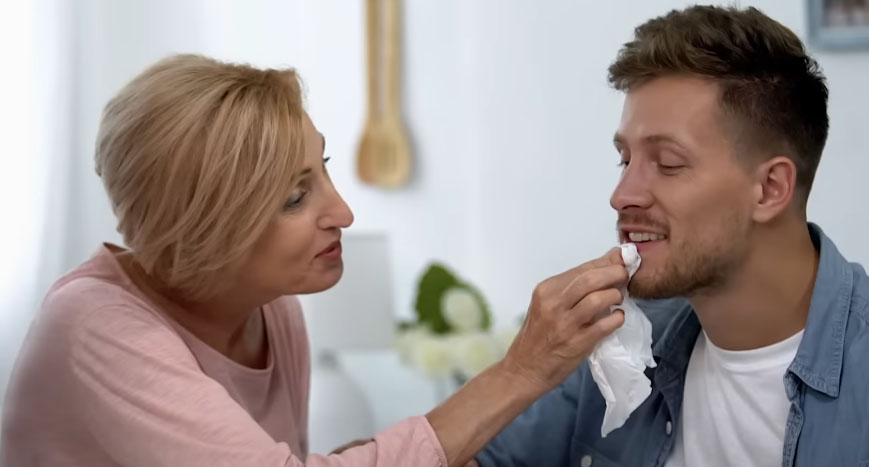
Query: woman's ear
776	181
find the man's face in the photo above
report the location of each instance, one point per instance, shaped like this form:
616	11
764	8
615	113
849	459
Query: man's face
684	197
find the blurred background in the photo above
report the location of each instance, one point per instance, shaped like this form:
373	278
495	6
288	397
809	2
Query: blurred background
506	104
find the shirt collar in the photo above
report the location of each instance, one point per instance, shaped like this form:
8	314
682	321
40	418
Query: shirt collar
673	348
818	362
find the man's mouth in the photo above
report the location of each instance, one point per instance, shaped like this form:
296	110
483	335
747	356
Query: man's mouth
639	237
640	234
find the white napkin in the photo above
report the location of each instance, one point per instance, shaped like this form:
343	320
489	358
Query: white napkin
618	362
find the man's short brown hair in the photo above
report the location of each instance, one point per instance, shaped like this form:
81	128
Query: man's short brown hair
774	92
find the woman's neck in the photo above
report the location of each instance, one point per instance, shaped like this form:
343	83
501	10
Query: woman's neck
231	322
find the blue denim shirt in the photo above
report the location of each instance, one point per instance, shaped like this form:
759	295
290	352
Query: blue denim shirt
827	384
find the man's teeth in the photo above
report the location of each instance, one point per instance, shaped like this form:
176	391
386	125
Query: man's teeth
645	237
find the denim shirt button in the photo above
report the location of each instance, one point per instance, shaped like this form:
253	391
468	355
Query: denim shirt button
669	428
585	461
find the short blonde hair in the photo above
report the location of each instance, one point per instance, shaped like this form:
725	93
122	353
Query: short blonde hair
197	157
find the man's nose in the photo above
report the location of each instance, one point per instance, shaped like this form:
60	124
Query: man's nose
633	190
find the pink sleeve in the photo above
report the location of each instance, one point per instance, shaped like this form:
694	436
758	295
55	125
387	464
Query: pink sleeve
411	442
140	393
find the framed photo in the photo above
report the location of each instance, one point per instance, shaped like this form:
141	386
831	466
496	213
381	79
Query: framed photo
839	24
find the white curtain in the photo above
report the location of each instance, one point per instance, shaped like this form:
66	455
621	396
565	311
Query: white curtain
37	44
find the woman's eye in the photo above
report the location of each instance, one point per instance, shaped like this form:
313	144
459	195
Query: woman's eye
670	169
296	200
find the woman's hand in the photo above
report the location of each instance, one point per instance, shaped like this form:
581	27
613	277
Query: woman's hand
567	317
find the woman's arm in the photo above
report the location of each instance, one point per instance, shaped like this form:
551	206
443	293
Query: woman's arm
561	329
141	394
466	422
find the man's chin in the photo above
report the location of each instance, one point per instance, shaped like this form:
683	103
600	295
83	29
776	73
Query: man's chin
649	288
642	291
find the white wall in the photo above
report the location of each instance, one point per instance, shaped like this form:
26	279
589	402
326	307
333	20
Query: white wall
36	130
507	102
509	109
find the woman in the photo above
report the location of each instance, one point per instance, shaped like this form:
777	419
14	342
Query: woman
188	349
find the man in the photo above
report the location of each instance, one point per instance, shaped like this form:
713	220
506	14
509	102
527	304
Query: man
767	361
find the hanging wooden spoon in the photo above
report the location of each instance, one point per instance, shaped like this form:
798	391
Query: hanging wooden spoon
384	157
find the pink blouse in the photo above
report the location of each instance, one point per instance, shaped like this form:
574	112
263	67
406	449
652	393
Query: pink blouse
106	379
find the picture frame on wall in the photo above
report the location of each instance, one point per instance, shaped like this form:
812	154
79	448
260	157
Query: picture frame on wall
839	24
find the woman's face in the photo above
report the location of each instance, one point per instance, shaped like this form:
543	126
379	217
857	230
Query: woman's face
300	252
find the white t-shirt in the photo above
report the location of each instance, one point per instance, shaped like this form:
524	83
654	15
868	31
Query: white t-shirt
734	408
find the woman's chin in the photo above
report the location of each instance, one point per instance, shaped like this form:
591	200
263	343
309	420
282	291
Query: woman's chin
319	283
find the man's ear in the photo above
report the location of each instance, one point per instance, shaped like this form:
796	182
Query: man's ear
775	183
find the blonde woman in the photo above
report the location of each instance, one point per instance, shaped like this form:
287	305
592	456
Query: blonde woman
186	346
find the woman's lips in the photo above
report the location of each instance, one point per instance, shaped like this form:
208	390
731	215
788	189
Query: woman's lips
331	253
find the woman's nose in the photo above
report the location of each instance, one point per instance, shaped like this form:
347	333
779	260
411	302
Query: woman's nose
338	213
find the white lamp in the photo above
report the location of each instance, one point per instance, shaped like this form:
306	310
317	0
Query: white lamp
356	314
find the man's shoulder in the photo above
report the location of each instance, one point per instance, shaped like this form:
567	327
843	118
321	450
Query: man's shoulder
857	335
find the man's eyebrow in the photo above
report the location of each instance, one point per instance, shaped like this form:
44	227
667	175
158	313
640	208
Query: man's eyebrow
657	138
662	138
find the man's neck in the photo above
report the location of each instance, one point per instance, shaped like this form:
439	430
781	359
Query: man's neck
768	299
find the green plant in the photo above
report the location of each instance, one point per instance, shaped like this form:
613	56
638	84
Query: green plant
429	306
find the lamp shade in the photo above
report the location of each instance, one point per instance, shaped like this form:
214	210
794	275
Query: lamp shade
357	312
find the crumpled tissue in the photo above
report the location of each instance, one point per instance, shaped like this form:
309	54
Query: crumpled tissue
618	362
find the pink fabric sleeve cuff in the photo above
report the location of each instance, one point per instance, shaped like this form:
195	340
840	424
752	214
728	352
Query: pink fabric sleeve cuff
412	438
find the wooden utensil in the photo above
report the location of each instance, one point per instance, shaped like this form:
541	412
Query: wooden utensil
384	157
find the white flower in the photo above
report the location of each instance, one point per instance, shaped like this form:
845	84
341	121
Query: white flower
461	310
431	354
406	341
474	352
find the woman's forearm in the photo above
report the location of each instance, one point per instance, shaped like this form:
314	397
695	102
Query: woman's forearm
468	420
563	324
